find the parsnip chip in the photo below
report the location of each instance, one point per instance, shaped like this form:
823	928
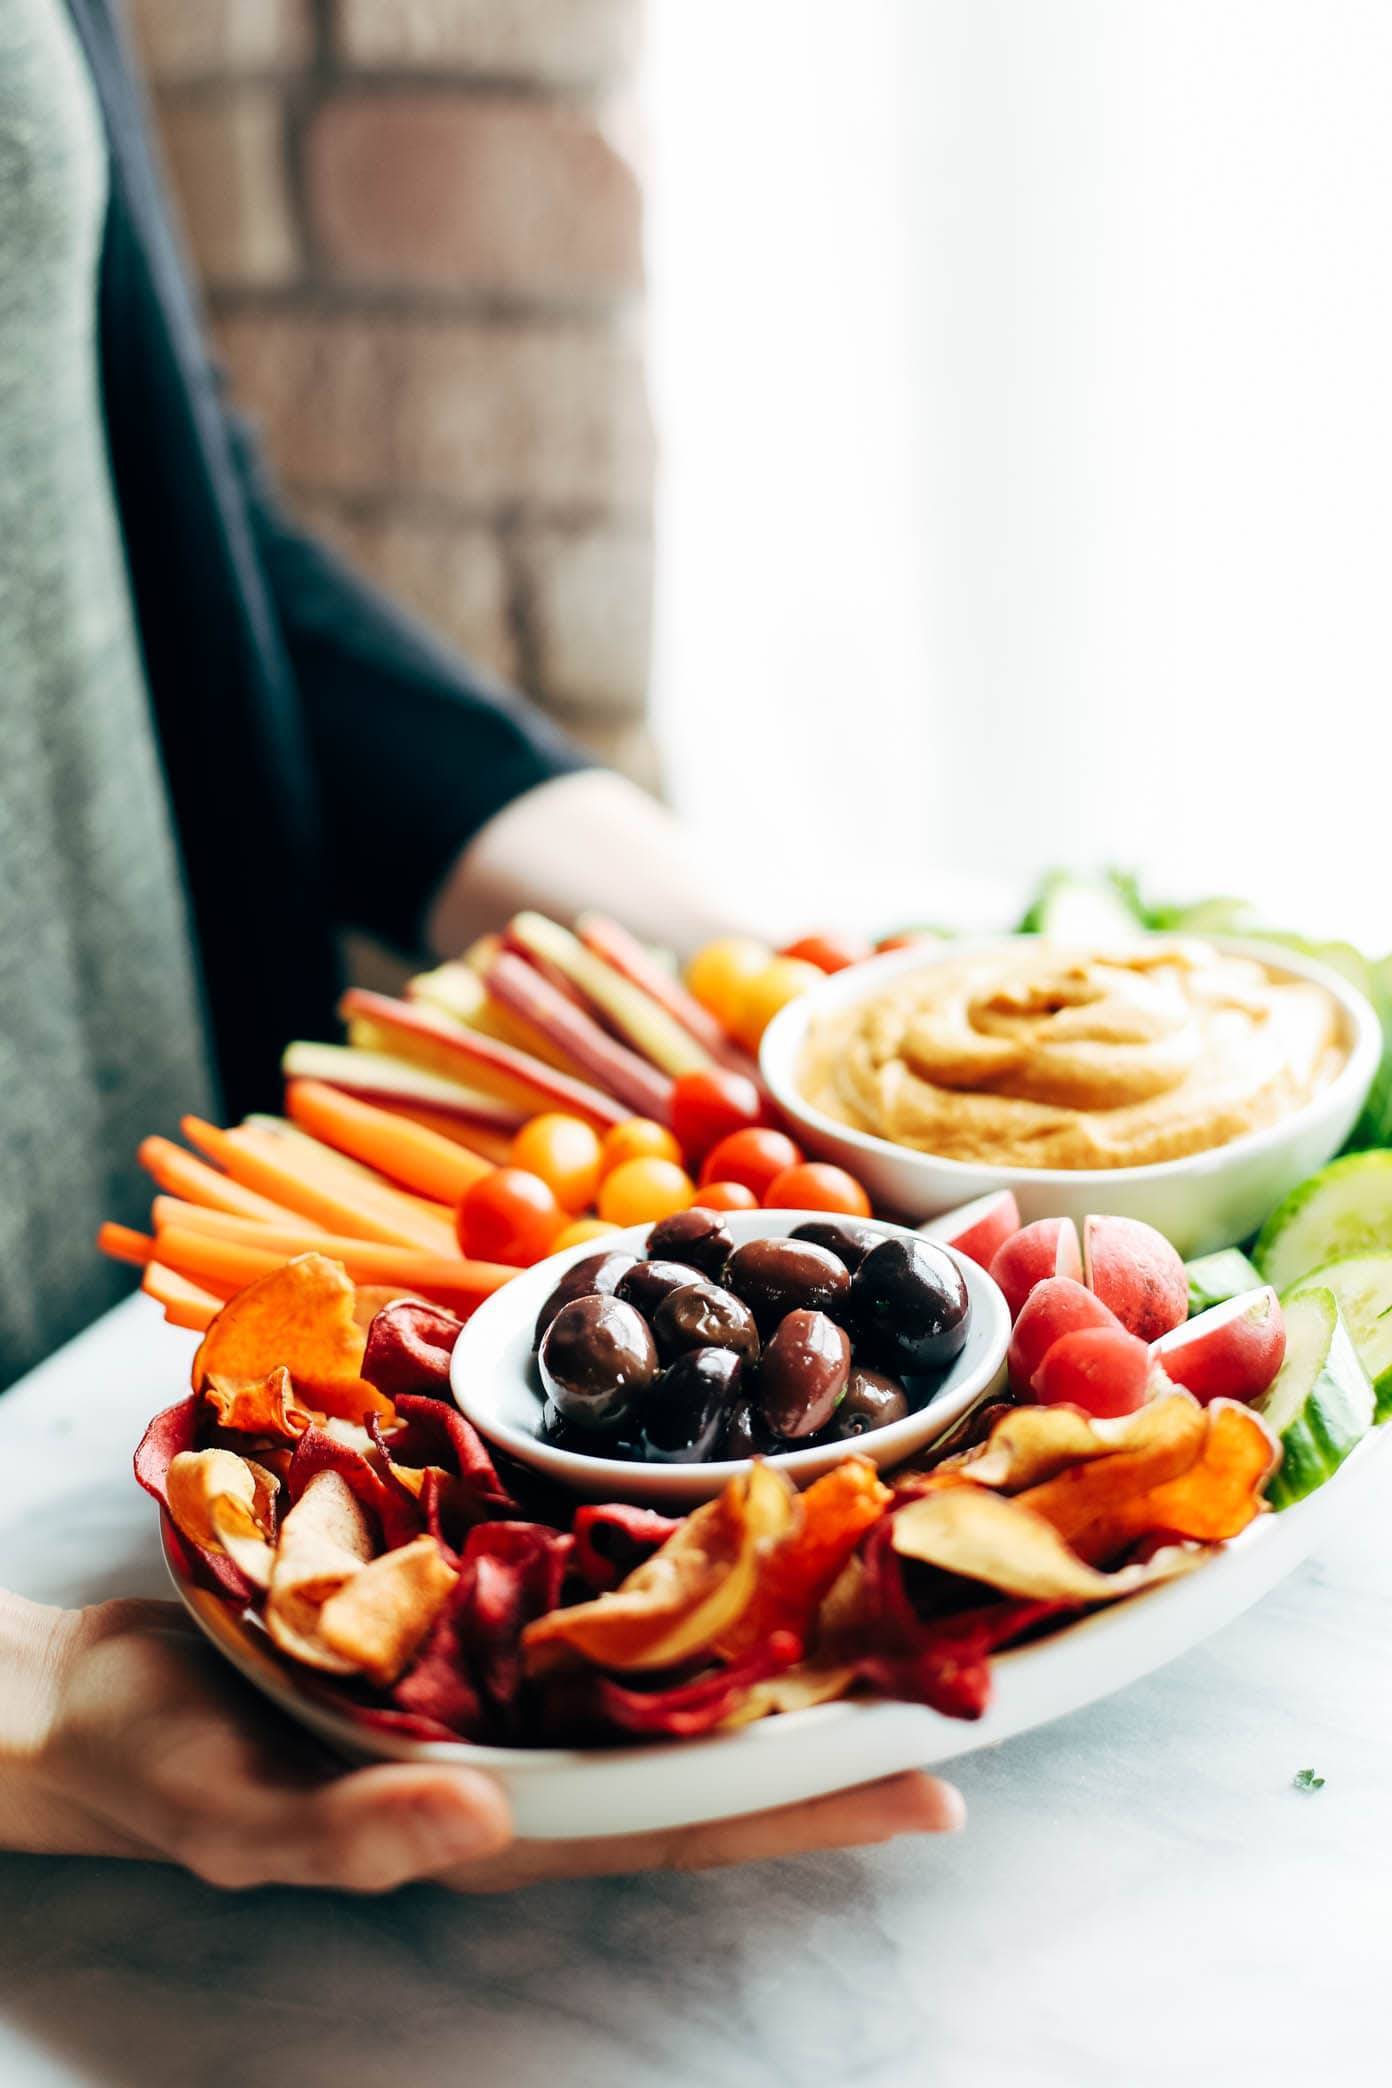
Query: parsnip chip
837	1510
224	1504
682	1600
1031	1445
299	1317
988	1537
380	1617
266	1408
324	1541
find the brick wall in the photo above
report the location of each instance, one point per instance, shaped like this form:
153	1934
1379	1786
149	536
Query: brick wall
418	224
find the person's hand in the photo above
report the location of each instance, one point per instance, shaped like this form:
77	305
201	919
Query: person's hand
149	1747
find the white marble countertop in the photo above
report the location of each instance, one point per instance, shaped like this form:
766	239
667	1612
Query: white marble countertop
1141	1895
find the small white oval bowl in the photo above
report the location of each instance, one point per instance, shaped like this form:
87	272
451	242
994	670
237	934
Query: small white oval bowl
1201	1202
492	1383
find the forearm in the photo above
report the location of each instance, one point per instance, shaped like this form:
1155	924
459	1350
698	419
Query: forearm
34	1644
589	841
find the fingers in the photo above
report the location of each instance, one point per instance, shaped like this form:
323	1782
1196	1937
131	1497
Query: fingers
369	1831
878	1812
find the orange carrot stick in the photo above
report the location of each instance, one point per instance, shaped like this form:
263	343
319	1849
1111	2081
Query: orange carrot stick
418	1159
493	1146
185	1304
279	1130
123	1243
448	1279
295	1178
182	1174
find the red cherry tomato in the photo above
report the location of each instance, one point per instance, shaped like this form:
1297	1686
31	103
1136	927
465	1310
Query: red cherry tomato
753	1156
709	1105
727	1196
830	953
905	940
814	1185
509	1216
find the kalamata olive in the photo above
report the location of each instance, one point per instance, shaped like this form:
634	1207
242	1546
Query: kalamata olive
647	1283
873	1399
698	1237
597	1357
560	1434
702	1315
909	1304
847	1238
684	1415
803	1374
776	1277
597	1273
747	1434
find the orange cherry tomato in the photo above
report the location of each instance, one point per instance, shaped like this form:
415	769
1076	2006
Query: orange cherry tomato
637	1138
580	1230
641	1191
814	1185
509	1216
830	953
752	1157
565	1152
726	1196
709	1105
781	980
718	974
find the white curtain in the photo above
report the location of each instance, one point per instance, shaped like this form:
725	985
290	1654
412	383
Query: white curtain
1024	381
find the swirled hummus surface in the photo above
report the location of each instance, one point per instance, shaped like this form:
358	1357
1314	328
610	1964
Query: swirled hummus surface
1033	1054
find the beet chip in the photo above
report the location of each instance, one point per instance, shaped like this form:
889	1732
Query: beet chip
409	1348
170	1434
396	1516
688	1708
469	1675
611	1538
431	1433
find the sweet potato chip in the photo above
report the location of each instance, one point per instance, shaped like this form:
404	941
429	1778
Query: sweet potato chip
325	1540
266	1408
836	1511
225	1503
378	1618
299	1317
688	1595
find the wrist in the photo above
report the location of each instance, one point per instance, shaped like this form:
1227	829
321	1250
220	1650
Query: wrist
36	1647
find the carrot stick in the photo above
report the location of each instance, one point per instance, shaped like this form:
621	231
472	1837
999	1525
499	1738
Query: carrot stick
123	1243
493	1146
185	1304
281	1128
181	1174
416	1158
296	1178
448	1279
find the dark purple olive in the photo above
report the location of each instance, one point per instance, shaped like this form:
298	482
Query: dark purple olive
647	1283
847	1238
560	1434
597	1357
804	1373
747	1434
698	1237
701	1315
684	1415
873	1399
910	1306
776	1277
597	1273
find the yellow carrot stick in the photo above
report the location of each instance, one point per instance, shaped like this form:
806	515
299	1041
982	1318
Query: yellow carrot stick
297	1179
418	1159
448	1279
183	1174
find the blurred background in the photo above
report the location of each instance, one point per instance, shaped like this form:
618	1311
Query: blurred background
935	437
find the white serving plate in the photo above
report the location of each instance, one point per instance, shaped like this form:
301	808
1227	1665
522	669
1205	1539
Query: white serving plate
1201	1202
568	1793
490	1376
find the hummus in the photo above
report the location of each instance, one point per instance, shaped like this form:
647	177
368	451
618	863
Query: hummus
1031	1054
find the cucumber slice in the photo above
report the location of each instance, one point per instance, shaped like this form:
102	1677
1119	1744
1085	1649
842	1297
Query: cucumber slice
1214	1278
1362	1288
1345	1209
1079	910
1321	1403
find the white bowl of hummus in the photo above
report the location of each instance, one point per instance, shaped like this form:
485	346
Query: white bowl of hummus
1187	1081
